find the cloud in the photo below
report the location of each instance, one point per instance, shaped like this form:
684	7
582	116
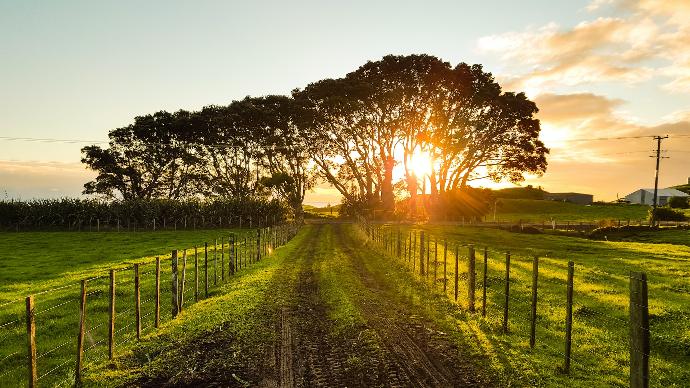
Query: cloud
652	39
568	118
35	179
559	108
575	127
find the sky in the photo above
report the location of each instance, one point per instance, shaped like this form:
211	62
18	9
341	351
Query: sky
595	68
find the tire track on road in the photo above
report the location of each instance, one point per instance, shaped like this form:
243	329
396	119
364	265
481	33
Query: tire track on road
408	343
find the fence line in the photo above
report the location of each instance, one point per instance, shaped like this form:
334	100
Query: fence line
427	255
98	331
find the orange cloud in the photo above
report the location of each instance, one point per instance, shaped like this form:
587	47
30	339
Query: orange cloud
653	40
36	179
560	108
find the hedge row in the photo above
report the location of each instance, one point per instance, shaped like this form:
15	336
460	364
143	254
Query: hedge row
79	214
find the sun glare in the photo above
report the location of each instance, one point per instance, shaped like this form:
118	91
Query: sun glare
421	163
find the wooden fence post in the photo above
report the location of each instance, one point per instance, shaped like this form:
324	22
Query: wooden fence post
457	269
507	294
174	283
222	258
157	312
237	259
31	340
206	269
421	253
215	271
471	279
258	245
80	337
184	279
569	317
435	263
137	301
111	316
413	249
445	262
428	255
231	259
484	279
639	331
533	315
196	275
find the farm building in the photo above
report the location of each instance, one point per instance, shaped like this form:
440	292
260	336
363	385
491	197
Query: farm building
646	196
578	198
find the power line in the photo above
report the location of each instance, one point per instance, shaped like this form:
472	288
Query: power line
51	140
613	138
78	141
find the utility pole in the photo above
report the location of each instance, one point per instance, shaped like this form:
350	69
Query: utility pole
656	176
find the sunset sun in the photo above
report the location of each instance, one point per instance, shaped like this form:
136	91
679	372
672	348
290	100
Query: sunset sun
420	163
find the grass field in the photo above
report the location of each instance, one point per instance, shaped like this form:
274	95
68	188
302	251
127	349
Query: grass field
530	210
345	291
600	334
50	266
248	302
323	309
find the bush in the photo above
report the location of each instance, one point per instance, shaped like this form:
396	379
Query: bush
601	233
678	203
524	229
667	214
528	192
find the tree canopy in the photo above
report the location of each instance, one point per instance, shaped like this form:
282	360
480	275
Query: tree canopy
366	134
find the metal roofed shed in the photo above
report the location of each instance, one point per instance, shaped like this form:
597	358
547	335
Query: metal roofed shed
646	196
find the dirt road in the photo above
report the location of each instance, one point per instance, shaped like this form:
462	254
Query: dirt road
337	320
406	351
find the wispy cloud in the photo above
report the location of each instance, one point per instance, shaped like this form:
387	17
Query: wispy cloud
651	40
29	179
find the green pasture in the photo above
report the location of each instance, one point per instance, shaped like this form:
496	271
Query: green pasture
50	265
601	299
531	210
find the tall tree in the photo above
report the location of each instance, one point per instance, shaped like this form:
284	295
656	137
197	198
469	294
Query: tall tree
281	128
397	107
341	147
478	132
396	113
147	159
227	151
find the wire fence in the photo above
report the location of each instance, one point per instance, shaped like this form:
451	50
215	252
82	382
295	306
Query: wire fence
574	318
50	337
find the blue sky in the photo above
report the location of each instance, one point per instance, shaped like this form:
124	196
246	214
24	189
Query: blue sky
78	69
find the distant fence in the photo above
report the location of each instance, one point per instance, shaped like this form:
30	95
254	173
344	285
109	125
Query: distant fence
453	270
573	226
51	337
154	224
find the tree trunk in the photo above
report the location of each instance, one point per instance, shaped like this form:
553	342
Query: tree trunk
387	196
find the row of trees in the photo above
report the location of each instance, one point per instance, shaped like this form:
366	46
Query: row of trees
351	132
250	149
